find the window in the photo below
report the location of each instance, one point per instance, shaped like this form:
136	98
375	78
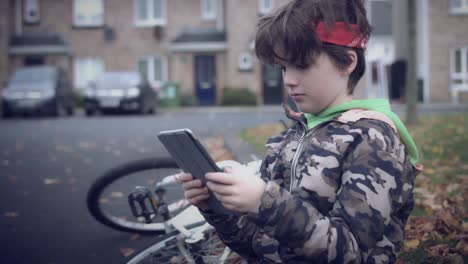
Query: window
150	12
459	71
88	13
459	64
459	7
86	69
381	17
208	9
265	6
154	69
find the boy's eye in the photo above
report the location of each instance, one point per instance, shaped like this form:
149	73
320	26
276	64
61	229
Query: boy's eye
283	69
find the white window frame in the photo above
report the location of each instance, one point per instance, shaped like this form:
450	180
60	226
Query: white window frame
150	21
80	80
150	75
263	7
209	14
456	88
459	10
98	23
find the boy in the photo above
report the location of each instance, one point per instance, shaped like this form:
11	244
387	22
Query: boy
337	187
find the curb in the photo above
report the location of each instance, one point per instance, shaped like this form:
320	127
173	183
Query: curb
242	151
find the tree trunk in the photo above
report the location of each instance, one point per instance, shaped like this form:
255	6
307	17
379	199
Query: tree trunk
411	80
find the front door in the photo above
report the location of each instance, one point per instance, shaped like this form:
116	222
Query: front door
34	60
205	79
272	84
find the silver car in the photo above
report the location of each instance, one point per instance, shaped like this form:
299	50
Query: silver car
125	91
38	90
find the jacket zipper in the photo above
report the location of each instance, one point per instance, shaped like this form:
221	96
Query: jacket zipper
296	156
298	152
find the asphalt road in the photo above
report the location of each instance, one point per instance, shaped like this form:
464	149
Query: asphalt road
48	164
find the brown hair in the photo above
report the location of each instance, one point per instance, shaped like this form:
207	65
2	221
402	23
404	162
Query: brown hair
288	35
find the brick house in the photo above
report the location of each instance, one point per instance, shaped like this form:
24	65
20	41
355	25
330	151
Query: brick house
206	45
442	48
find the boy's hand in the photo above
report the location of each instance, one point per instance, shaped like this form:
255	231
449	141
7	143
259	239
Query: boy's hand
194	191
237	190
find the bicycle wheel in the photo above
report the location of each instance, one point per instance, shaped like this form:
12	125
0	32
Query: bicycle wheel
209	250
107	199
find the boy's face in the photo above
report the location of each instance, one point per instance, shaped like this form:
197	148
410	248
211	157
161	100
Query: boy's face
320	86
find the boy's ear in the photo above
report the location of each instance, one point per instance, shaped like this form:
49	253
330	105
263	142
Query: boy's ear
353	56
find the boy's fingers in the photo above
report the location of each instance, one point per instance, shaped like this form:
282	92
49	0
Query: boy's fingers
201	197
222	178
192	184
221	189
183	177
192	193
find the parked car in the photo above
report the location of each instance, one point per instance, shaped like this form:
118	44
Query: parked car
38	90
125	91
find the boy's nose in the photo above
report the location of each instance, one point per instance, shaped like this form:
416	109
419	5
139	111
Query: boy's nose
290	80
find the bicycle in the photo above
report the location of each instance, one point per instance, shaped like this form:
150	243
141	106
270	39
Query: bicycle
158	210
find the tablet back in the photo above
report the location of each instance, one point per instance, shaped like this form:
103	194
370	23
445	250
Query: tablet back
191	157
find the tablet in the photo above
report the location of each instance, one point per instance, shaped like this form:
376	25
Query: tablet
192	157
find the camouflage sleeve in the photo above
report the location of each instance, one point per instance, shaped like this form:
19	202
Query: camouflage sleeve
366	224
235	231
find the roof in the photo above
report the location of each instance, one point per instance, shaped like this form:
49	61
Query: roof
199	39
38	42
200	35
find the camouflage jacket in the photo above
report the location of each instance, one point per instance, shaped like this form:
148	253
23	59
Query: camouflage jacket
338	193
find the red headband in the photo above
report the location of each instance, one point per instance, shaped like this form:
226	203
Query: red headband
340	34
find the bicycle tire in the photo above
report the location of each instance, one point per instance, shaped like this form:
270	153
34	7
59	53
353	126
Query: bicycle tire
166	251
125	170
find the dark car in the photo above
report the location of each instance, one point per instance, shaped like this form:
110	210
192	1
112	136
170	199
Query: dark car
124	91
38	90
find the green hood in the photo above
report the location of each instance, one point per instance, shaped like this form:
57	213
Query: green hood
378	105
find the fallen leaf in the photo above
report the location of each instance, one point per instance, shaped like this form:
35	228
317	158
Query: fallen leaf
462	246
116	194
127	251
11	214
52	157
452	187
412	244
19	146
50	181
428	227
135	237
429	171
441	250
12	178
87	145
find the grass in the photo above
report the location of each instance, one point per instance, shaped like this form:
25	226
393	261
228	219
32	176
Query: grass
442	186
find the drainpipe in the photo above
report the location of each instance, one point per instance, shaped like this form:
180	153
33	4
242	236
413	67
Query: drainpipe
18	18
